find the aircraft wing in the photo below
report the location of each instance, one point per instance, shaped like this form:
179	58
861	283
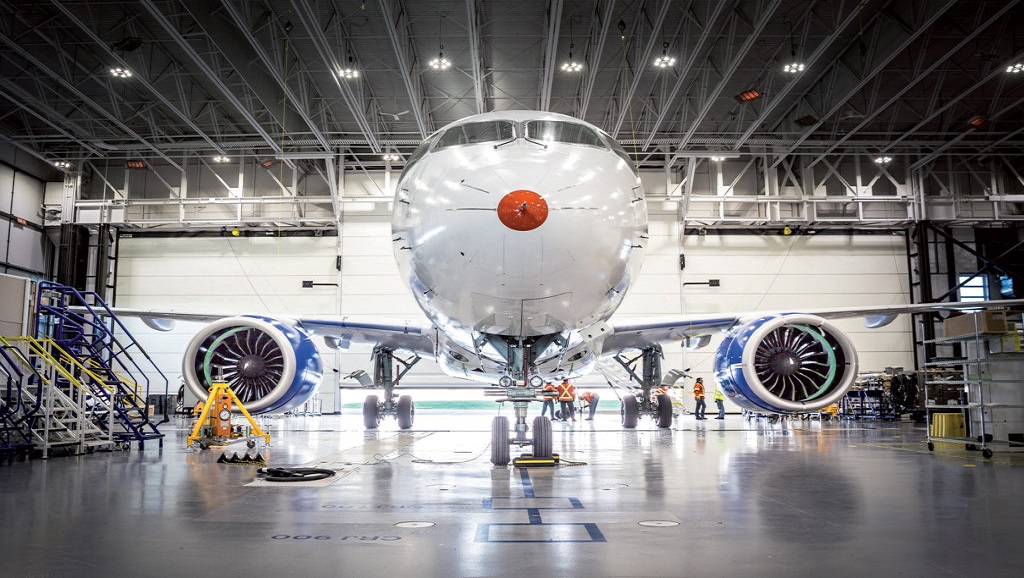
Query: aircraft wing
405	336
339	332
696	331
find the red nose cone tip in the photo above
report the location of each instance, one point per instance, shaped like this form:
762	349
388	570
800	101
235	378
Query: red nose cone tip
522	210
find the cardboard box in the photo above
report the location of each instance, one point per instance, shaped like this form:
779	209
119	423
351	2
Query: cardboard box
981	322
1009	343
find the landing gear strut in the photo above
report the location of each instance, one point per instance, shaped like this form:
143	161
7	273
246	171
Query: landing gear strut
500	440
375	409
636	404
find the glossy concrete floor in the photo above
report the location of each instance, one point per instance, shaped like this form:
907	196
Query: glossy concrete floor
711	498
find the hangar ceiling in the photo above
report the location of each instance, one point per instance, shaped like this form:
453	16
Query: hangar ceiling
918	80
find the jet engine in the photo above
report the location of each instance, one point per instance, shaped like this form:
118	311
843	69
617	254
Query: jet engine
271	366
787	363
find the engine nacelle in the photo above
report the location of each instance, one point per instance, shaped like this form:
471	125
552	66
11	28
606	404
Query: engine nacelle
787	363
270	365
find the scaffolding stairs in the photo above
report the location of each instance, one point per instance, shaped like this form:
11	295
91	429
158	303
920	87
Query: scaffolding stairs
81	327
62	412
15	441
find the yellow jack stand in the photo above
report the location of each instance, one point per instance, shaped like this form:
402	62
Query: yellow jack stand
215	418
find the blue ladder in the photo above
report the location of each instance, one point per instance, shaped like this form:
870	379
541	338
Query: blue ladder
82	324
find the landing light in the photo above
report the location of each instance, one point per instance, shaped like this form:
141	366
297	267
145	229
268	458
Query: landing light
536	381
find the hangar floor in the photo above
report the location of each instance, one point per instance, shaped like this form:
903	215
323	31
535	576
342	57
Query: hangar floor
713	498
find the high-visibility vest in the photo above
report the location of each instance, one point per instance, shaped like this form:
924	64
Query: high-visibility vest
698	390
548	391
587	396
566	391
719	396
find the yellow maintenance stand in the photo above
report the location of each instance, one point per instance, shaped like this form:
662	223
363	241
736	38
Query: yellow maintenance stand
213	426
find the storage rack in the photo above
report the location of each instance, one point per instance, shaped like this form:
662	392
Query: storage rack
973	369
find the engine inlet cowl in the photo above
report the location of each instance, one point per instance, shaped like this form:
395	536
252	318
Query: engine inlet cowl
786	363
270	365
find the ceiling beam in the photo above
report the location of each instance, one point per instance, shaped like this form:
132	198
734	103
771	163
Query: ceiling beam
643	63
400	43
476	63
554	14
594	55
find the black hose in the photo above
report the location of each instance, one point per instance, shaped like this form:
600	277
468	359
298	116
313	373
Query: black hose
295	474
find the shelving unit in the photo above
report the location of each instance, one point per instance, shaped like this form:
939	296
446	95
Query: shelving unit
990	392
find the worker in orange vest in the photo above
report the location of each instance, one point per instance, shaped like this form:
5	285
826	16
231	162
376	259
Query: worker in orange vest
549	394
698	395
567	395
590	399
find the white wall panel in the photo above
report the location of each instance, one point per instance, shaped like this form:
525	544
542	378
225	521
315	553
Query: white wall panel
6	187
28	198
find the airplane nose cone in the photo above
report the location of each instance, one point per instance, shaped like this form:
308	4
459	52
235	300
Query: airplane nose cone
522	210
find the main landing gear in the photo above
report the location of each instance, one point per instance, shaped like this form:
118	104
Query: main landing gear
376	409
501	442
657	406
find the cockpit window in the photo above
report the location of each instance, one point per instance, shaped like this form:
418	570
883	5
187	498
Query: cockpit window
417	154
561	131
619	150
476	132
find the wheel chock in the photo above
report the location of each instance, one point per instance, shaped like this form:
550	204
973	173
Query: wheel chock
529	461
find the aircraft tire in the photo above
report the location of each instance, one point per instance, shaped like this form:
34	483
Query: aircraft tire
499	441
542	437
370	412
406	412
664	410
630	411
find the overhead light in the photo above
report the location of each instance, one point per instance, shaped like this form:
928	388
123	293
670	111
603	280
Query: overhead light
221	159
391	157
793	67
571	65
348	73
747	95
883	160
1015	68
716	159
440	63
665	60
62	164
976	121
119	72
134	164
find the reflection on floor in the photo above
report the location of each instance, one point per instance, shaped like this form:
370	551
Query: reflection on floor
711	498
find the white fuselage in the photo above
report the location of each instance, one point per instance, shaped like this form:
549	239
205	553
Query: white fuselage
517	235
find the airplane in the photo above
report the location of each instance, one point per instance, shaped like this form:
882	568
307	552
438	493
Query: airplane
519	233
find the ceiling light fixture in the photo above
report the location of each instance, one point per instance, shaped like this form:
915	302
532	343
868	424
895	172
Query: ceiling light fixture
883	160
62	164
794	66
571	66
350	72
664	61
440	63
391	157
221	159
1015	68
716	159
747	95
119	72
